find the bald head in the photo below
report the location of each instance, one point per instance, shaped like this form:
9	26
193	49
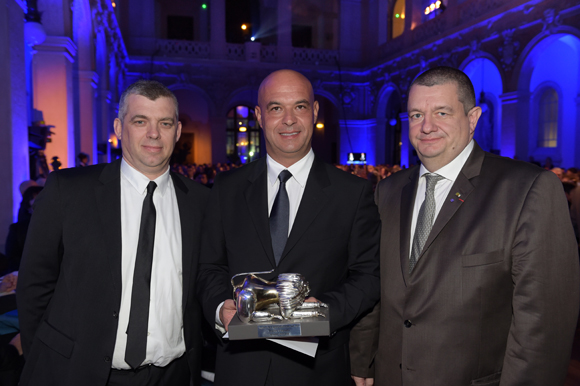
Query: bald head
284	77
287	112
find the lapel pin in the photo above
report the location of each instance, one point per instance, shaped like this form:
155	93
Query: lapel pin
458	197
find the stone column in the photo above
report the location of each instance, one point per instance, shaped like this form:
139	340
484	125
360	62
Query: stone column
53	95
218	139
381	129
577	132
219	49
13	109
285	54
103	123
514	125
406	147
350	32
86	132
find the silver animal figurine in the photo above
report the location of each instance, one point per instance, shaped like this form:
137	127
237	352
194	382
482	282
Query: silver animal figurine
257	299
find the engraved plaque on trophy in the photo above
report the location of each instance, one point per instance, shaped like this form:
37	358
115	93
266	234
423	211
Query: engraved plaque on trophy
276	309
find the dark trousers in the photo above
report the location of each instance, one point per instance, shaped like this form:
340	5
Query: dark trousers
174	374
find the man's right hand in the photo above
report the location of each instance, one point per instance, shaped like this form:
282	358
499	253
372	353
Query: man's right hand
358	381
227	312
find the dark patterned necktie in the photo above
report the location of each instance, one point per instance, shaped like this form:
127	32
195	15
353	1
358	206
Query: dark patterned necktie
280	217
140	295
424	219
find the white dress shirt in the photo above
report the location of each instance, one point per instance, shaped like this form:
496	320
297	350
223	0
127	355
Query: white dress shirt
294	186
449	173
165	340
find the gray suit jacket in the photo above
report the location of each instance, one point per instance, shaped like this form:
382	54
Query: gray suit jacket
494	297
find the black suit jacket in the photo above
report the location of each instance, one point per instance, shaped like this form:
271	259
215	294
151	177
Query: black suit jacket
69	289
333	243
493	299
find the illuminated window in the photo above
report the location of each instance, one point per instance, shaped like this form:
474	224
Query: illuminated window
398	18
548	119
242	135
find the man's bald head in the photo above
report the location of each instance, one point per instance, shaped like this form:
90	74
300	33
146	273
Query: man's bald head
283	76
287	113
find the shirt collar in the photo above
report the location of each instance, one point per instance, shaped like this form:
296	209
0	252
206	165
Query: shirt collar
453	168
299	170
139	181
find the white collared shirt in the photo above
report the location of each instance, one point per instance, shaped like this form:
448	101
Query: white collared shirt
165	340
294	186
449	172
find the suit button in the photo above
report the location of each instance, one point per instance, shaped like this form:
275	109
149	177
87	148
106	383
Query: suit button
115	314
107	359
408	323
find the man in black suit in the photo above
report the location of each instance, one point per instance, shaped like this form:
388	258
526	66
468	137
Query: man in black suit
106	289
331	237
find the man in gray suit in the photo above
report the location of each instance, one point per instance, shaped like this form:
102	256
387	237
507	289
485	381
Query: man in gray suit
479	274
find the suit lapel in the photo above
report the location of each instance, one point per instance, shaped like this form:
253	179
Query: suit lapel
256	194
407	203
187	222
108	196
458	194
312	202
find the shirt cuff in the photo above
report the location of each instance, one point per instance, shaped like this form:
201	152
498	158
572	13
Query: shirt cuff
218	323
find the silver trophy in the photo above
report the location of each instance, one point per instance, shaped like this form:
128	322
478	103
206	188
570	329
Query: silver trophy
259	300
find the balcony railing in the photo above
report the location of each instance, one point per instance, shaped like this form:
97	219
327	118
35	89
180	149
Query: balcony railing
314	56
237	52
183	48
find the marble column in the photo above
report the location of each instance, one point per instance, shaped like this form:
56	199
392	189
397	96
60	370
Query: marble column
219	49
218	139
508	123
406	148
350	32
53	95
13	108
285	54
86	130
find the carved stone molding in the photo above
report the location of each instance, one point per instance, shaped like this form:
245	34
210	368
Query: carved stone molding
551	20
509	50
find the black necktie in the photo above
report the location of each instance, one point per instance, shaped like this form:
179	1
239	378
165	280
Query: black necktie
140	295
280	217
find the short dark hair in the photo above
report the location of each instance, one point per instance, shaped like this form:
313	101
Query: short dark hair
443	75
150	89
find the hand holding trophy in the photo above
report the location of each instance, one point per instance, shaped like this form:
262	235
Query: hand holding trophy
259	301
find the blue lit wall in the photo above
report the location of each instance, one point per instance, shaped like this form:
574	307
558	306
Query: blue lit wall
557	61
362	135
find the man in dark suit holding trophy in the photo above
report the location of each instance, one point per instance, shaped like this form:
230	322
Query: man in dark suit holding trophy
290	213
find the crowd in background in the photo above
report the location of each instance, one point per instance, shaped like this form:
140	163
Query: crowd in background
10	349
